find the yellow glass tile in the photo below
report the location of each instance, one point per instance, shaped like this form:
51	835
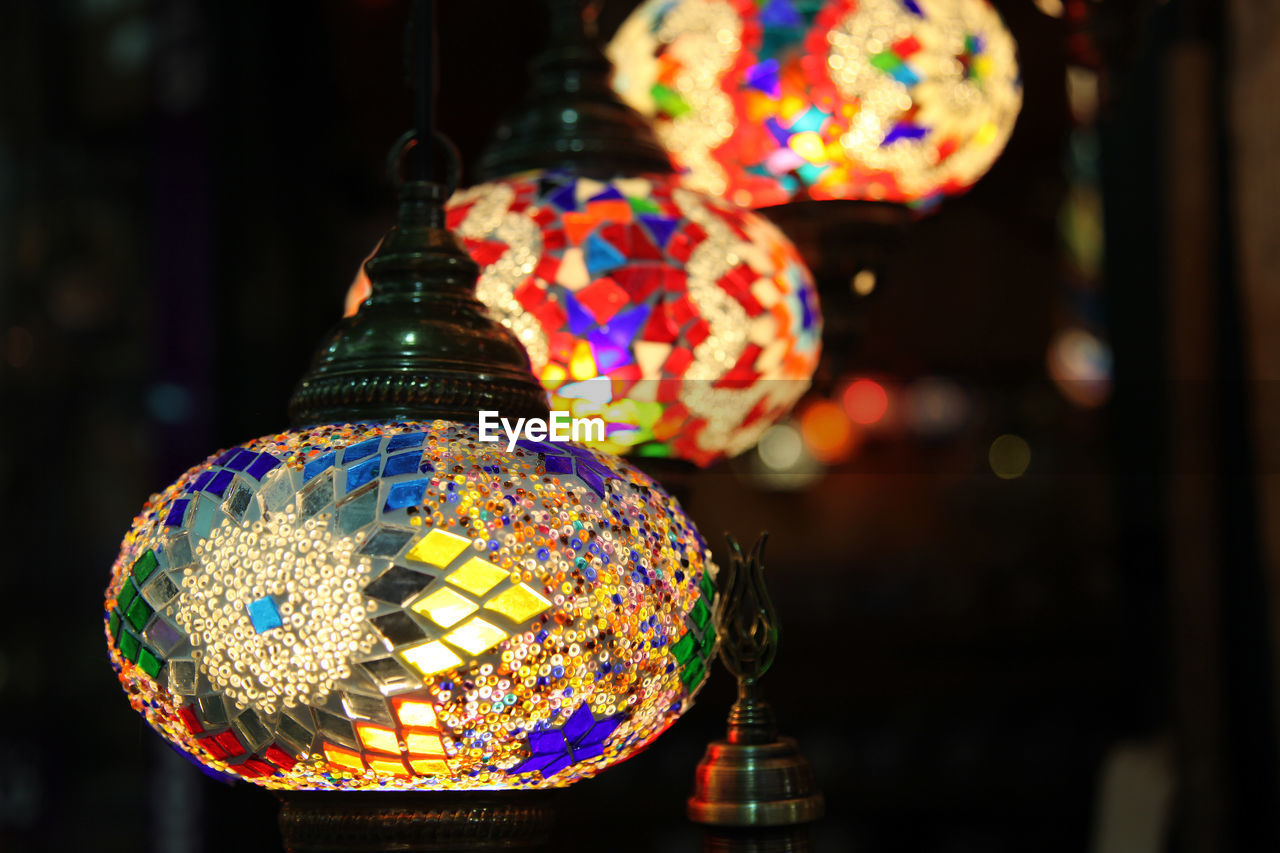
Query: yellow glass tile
476	636
377	738
388	765
438	548
342	757
430	767
424	743
476	576
430	658
444	607
414	712
518	603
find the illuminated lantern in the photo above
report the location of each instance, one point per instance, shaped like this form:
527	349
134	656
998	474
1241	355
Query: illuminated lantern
893	100
403	607
688	323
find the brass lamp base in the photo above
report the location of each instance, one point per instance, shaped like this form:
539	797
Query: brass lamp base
408	822
748	784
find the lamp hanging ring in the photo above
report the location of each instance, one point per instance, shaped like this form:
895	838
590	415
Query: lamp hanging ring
407	142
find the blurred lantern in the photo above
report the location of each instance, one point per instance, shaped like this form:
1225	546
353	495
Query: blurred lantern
379	600
895	100
687	323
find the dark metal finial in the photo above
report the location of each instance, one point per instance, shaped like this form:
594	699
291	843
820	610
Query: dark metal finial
572	118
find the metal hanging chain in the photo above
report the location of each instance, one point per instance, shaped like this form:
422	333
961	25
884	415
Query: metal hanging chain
420	61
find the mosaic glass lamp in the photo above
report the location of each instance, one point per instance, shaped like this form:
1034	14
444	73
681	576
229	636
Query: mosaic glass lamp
770	102
687	323
377	600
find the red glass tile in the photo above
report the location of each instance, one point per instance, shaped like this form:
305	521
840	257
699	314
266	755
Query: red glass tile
675	280
530	294
660	328
697	332
229	742
642	245
682	311
553	239
485	252
551	316
548	266
211	746
603	298
737	283
544	216
638	281
280	758
190	720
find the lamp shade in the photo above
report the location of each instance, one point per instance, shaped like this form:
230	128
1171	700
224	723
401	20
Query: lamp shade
402	606
766	102
687	323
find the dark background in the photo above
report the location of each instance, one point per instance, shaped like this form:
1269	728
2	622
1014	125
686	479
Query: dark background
186	190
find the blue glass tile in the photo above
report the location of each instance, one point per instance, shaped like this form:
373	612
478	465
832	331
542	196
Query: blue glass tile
533	763
601	255
904	130
779	13
556	766
587	750
764	78
559	464
402	463
319	465
541	447
625	325
201	480
913	8
400	442
241	460
263	614
365	448
580	320
578	724
547	743
218	486
593	480
260	466
176	512
660	228
358	475
227	457
608	194
408	493
565	198
904	75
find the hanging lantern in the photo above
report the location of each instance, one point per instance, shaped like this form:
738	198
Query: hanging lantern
885	100
686	322
383	599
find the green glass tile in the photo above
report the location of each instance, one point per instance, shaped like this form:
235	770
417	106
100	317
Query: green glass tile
129	646
668	100
683	649
708	586
127	594
692	674
113	623
148	662
643	205
887	61
138	614
701	613
145	565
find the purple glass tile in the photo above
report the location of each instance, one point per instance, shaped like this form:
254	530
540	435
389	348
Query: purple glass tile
199	482
559	464
228	456
550	742
593	480
556	766
241	460
578	724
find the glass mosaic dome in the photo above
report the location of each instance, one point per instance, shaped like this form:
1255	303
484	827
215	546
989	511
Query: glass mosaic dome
685	322
399	606
767	102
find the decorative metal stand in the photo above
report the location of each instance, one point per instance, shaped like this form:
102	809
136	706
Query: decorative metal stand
752	778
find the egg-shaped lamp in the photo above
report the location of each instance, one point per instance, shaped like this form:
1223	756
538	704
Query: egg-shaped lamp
401	606
868	100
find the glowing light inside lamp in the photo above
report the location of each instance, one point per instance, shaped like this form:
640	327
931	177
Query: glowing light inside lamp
689	325
900	100
308	611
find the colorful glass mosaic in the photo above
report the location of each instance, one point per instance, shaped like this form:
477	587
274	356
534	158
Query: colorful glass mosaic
401	606
686	323
767	101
